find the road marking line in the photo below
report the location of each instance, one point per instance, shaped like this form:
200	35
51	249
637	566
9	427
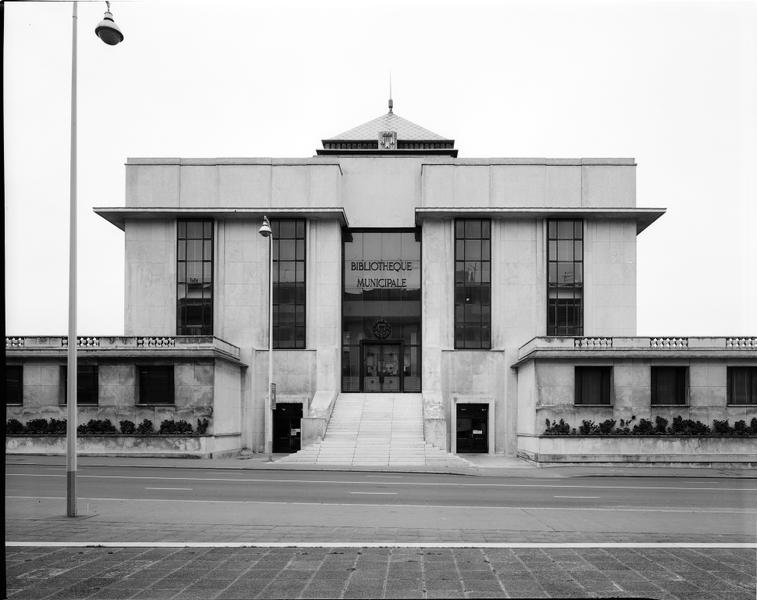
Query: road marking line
407	483
168	488
583	497
377	493
727	511
706	545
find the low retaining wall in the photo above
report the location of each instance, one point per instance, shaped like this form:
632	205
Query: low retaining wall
637	449
158	446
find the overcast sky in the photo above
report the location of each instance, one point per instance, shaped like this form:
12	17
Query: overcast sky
672	84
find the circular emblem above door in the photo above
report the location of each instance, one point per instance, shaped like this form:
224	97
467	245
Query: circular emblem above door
382	329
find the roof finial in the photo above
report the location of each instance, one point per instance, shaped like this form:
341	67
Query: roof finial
391	102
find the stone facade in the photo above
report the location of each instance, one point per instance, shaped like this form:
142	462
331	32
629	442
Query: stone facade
420	185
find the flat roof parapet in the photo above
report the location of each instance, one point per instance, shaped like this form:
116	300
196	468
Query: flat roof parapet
122	346
552	347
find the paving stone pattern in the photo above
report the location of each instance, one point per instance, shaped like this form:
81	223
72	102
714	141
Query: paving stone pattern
227	573
85	529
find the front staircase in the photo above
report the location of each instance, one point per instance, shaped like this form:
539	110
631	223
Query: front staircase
376	430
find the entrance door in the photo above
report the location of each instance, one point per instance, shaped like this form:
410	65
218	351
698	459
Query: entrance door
382	367
286	427
472	425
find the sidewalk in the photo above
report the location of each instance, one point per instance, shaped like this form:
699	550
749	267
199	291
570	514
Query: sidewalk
483	465
230	573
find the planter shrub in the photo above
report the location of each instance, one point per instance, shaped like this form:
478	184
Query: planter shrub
145	427
678	427
14	426
97	427
170	426
105	427
127	427
561	428
36	426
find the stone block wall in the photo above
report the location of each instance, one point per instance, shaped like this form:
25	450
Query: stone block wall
554	382
43	393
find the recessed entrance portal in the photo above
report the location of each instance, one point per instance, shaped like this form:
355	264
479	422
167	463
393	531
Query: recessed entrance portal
382	367
286	427
381	311
472	426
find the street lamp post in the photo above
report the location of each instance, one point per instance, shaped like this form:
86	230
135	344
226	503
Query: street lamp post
266	231
109	33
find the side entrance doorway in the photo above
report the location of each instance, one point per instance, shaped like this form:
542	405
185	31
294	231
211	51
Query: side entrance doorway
286	427
382	367
472	428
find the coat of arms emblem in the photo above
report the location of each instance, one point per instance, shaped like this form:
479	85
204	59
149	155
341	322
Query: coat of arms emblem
382	329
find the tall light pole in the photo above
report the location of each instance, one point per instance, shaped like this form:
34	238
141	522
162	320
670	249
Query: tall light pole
266	231
109	33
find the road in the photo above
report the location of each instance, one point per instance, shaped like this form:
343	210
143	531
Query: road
161	503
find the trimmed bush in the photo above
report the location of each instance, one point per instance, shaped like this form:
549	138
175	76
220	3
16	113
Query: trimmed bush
100	427
606	426
555	428
14	426
36	426
127	427
145	427
661	424
57	427
645	427
170	426
679	426
96	427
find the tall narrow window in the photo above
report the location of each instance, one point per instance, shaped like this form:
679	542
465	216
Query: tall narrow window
194	278
288	283
472	283
565	277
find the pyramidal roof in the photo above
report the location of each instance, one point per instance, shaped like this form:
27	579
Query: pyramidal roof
389	134
406	130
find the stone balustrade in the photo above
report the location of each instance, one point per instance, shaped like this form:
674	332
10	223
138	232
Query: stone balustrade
668	342
592	342
746	343
638	345
122	343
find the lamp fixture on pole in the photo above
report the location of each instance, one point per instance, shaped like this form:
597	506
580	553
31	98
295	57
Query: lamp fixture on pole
109	33
266	231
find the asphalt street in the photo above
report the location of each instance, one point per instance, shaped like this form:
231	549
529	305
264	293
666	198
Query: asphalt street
356	506
695	495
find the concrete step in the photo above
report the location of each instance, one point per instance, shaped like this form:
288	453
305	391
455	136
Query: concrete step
375	430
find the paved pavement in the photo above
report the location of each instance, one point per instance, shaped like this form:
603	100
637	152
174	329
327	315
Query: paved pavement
484	465
512	551
669	574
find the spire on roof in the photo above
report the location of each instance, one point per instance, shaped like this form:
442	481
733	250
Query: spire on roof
391	102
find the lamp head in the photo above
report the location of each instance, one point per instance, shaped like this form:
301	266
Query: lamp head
108	31
265	228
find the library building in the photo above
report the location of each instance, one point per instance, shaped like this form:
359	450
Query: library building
421	308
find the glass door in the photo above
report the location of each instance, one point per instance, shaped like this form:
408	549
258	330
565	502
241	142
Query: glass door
382	367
